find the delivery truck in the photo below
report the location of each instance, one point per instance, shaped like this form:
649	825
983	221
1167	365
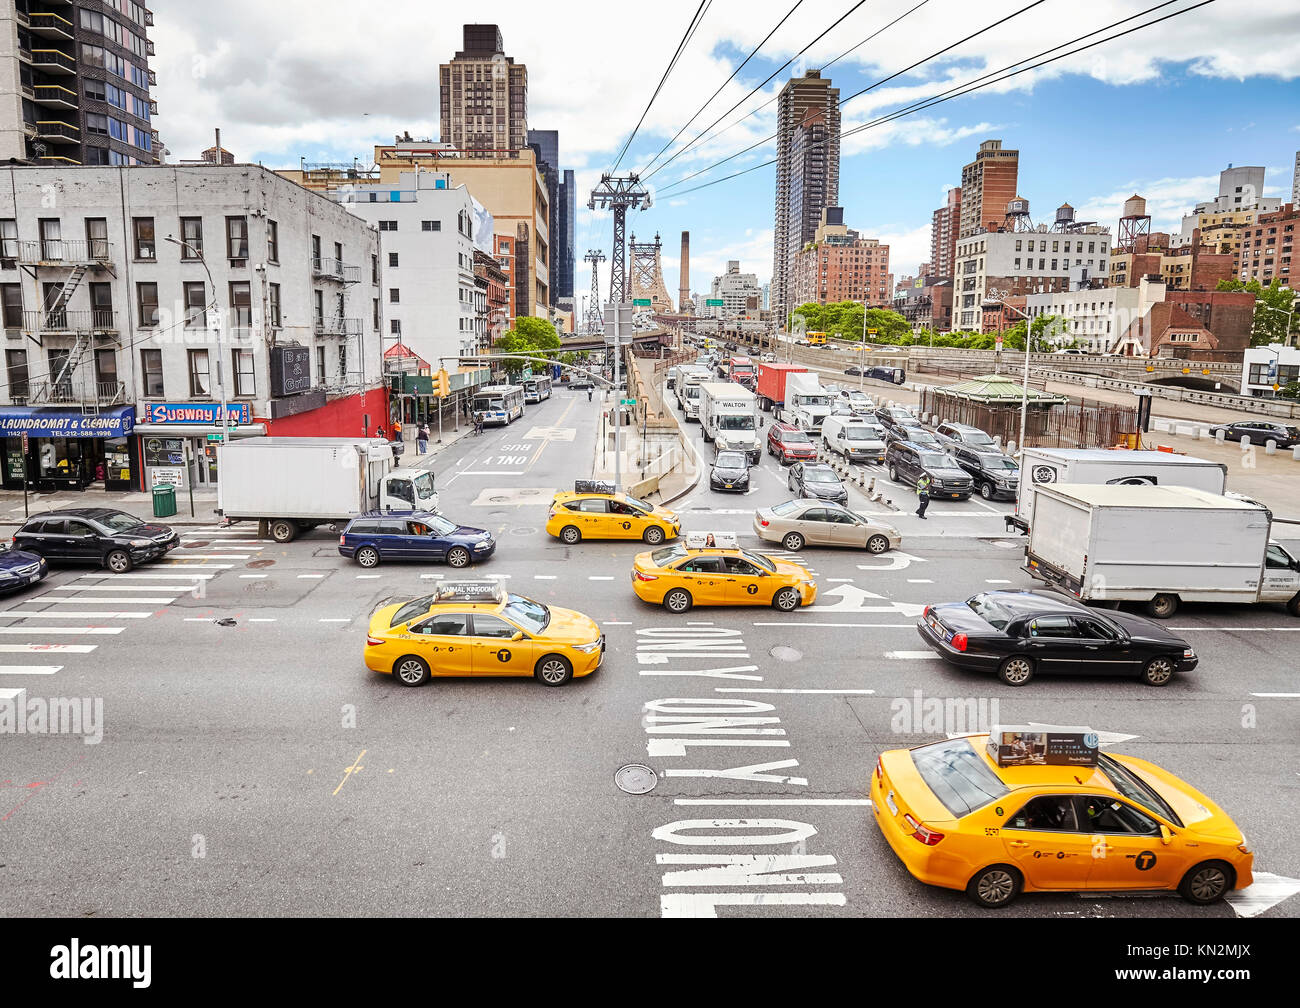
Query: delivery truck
728	418
807	404
771	384
1040	466
688	390
1158	545
294	484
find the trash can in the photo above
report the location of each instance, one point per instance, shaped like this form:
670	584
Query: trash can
164	500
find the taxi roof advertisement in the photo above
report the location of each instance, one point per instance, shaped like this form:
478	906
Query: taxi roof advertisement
1016	745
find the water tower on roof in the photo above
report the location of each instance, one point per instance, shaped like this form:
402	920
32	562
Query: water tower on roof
1135	223
1018	215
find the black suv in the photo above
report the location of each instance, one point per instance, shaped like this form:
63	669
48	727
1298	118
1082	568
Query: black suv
100	536
1260	432
906	463
914	433
892	417
817	479
996	475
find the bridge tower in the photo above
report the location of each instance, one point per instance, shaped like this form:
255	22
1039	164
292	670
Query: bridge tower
648	274
619	193
594	322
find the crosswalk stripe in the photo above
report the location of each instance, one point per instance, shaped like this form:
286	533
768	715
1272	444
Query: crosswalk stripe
909	654
252	577
46	630
181	566
98	600
241	543
29	669
165	577
211	556
34	648
23	614
303	577
116	588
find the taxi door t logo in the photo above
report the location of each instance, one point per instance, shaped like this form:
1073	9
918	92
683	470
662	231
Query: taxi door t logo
503	655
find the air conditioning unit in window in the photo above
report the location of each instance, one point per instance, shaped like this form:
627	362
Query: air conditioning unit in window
146	253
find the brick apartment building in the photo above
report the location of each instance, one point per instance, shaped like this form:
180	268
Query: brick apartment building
840	265
1266	249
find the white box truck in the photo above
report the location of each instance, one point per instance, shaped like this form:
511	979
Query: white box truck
1159	545
297	483
1045	466
688	390
807	404
729	418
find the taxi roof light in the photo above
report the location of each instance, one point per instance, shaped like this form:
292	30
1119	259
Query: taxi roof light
707	540
470	591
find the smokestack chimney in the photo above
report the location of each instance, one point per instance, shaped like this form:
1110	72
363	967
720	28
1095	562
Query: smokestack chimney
684	286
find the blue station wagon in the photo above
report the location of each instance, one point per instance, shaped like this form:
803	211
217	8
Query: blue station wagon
413	535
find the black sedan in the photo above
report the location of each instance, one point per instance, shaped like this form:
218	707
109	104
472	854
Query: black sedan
1019	634
817	479
730	472
18	569
102	537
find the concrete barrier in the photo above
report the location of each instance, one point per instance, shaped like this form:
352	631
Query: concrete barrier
1270	447
1245	443
1295	452
1220	435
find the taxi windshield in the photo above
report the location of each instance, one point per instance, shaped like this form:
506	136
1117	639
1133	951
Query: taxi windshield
531	616
759	560
1135	789
958	776
412	609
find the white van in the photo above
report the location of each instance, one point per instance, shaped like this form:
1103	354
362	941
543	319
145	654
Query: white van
858	439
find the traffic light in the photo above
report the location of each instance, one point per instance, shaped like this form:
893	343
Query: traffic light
441	383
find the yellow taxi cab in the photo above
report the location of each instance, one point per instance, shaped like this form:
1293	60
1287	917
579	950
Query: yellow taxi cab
595	510
709	569
1034	809
479	629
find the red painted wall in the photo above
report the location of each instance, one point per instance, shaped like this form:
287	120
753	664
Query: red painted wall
339	418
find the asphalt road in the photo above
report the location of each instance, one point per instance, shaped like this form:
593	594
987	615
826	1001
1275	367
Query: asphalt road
258	769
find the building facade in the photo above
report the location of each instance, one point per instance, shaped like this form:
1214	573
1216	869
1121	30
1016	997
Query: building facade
838	264
738	292
988	184
483	96
1240	189
1266	370
75	83
562	197
944	225
1266	249
807	174
139	295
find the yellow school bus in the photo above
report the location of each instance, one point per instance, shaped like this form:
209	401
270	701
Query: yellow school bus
816	338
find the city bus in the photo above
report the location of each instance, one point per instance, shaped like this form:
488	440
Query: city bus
537	388
499	404
815	338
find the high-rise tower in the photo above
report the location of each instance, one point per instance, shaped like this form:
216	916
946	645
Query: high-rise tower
483	95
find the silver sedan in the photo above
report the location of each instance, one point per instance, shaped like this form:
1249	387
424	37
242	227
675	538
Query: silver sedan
797	523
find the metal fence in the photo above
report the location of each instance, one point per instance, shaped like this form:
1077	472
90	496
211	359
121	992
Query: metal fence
1064	425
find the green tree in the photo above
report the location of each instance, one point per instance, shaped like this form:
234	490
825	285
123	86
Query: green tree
1272	303
529	336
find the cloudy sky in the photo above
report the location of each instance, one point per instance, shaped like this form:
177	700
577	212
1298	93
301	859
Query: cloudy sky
1159	111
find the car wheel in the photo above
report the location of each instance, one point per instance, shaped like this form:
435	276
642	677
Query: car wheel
793	541
118	561
1158	672
653	535
553	670
458	556
570	535
368	556
1016	670
1293	607
994	887
411	671
283	531
1207	883
678	600
893	474
986	491
786	600
1162	606
877	544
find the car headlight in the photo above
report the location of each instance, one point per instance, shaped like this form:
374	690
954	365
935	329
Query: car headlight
483	544
587	648
141	542
1188	653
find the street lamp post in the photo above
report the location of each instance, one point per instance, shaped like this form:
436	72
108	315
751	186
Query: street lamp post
212	306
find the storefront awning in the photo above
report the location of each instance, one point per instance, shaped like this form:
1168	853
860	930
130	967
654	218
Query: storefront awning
200	430
58	421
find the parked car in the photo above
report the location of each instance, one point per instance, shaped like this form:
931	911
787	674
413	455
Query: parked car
103	537
788	443
730	471
859	400
855	370
893	416
18	568
377	536
952	435
914	433
996	476
822	523
768	358
1020	634
1069	351
817	479
906	462
1260	432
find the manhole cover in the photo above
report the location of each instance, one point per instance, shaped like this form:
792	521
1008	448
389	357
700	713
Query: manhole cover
197	543
523	530
635	778
259	563
783	652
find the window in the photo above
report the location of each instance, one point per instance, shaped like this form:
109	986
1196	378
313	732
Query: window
1106	815
192	237
272	242
97	237
51	238
315	253
388	225
431	225
444	625
152	372
8	238
320	364
395	327
1054	813
374	269
142	228
392	259
242	369
106	368
237	237
241	305
394	295
273	304
196	305
319	298
1051	626
486	625
375	307
16	366
146	302
200	380
11	304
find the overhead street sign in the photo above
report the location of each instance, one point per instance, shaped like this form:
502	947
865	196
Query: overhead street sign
627	402
713	302
640	302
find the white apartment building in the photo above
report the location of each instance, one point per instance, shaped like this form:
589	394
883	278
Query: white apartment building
1268	366
428	230
739	293
133	298
1095	318
1024	262
1240	188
